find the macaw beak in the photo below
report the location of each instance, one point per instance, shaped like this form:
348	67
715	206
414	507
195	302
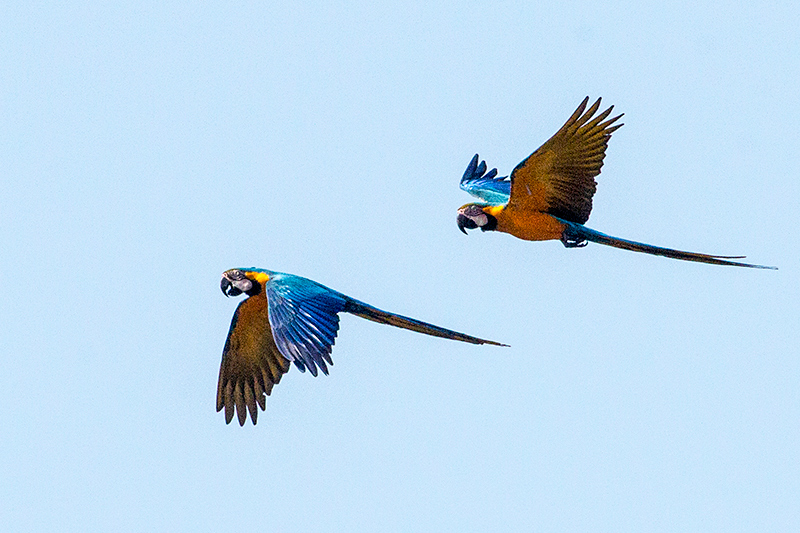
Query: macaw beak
228	289
465	222
234	287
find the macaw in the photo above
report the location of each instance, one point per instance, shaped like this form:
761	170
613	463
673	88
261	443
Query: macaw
288	319
549	194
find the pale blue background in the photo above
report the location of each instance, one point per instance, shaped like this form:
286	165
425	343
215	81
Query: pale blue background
146	148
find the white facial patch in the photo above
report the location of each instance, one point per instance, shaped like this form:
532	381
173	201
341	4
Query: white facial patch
481	220
243	285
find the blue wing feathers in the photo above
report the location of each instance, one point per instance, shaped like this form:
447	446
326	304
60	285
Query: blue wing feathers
481	168
304	319
313	331
304	348
321	346
484	185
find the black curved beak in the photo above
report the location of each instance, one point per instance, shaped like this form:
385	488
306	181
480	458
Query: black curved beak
465	222
228	289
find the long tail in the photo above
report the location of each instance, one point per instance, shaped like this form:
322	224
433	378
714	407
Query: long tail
580	232
376	315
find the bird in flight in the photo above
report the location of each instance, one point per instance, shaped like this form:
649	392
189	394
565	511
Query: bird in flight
285	319
549	195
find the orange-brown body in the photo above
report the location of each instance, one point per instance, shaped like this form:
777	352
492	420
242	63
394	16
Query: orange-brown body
526	225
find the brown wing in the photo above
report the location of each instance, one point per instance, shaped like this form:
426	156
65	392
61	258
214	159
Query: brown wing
251	363
558	178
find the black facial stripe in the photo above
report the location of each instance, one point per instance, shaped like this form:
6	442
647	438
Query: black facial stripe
491	223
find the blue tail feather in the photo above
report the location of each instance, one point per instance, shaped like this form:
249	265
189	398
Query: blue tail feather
369	312
578	232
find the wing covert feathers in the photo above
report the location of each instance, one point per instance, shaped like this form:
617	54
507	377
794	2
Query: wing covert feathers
558	178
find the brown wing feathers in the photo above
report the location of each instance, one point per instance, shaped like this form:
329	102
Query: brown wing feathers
558	178
251	363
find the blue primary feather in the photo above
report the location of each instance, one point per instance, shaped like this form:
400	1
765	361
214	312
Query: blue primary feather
484	185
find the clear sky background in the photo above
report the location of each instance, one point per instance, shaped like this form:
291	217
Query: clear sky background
146	148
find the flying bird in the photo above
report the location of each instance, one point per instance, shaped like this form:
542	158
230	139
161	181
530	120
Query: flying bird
549	195
288	319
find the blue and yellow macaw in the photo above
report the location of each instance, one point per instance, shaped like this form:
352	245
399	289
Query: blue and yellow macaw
286	319
549	195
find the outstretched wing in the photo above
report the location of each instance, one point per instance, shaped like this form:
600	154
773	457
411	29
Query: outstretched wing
485	185
251	362
304	320
558	178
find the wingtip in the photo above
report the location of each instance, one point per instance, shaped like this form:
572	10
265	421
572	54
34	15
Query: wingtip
470	171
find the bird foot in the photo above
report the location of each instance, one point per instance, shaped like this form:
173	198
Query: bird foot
569	243
570	239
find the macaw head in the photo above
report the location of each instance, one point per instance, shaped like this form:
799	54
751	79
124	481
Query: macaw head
237	281
472	216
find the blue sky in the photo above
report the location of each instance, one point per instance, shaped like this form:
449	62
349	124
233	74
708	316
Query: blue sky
146	148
